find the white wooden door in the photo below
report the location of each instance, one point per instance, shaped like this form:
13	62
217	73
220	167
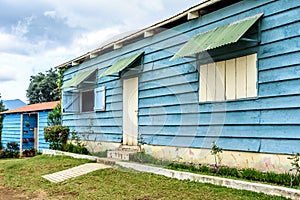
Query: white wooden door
130	111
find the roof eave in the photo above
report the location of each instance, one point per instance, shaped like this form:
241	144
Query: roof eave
186	13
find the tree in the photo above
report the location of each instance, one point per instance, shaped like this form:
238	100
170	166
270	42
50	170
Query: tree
43	88
54	116
2	108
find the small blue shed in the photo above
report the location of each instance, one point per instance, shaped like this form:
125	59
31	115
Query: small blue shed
25	125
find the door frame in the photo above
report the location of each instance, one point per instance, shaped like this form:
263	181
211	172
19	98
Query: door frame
130	133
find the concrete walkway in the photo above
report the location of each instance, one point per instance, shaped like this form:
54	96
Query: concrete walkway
74	172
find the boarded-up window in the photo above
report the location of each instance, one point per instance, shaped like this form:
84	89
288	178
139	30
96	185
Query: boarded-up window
228	80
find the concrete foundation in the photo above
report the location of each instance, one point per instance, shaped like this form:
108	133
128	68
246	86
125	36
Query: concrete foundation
260	161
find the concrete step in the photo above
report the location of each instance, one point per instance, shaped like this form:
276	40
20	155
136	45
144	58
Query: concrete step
129	148
120	154
107	161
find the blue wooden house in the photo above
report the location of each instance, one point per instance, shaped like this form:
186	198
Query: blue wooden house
223	71
25	125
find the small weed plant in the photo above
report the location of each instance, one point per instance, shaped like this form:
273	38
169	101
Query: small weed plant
295	170
216	151
76	145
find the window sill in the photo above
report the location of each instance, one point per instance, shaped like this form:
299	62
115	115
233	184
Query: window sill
229	101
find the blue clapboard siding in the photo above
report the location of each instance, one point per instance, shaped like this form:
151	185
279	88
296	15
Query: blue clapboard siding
43	122
169	111
11	129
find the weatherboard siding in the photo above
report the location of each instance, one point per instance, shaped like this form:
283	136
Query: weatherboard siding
169	108
43	122
11	129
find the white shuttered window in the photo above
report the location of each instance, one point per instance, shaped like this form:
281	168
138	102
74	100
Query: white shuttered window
99	99
228	80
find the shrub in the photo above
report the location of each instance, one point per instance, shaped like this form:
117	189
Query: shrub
29	152
76	146
75	149
142	157
54	116
11	151
57	136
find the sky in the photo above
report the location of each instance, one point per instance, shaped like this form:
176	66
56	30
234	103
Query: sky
38	35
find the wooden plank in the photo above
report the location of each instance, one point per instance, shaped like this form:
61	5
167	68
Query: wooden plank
282	116
220	81
281	74
170	90
286	46
230	81
203	83
211	82
230	118
280	33
241	78
251	75
279	61
290	87
280	146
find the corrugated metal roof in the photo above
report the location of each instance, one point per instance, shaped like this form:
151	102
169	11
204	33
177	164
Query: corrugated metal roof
217	37
121	64
79	78
13	103
202	5
33	107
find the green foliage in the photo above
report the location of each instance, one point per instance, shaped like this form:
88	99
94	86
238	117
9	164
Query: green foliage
59	80
246	174
57	136
11	151
216	152
54	116
142	157
43	88
2	108
70	147
295	167
75	145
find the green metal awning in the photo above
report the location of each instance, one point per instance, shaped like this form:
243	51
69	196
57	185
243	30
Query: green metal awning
217	37
121	64
79	78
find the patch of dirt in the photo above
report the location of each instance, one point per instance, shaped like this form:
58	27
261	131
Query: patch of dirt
8	194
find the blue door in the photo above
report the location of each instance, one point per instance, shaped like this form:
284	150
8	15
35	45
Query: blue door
29	125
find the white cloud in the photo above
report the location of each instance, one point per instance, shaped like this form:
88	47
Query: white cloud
44	34
7	74
22	26
91	40
51	14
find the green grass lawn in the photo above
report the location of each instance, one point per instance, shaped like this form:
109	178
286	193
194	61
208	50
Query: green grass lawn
114	183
